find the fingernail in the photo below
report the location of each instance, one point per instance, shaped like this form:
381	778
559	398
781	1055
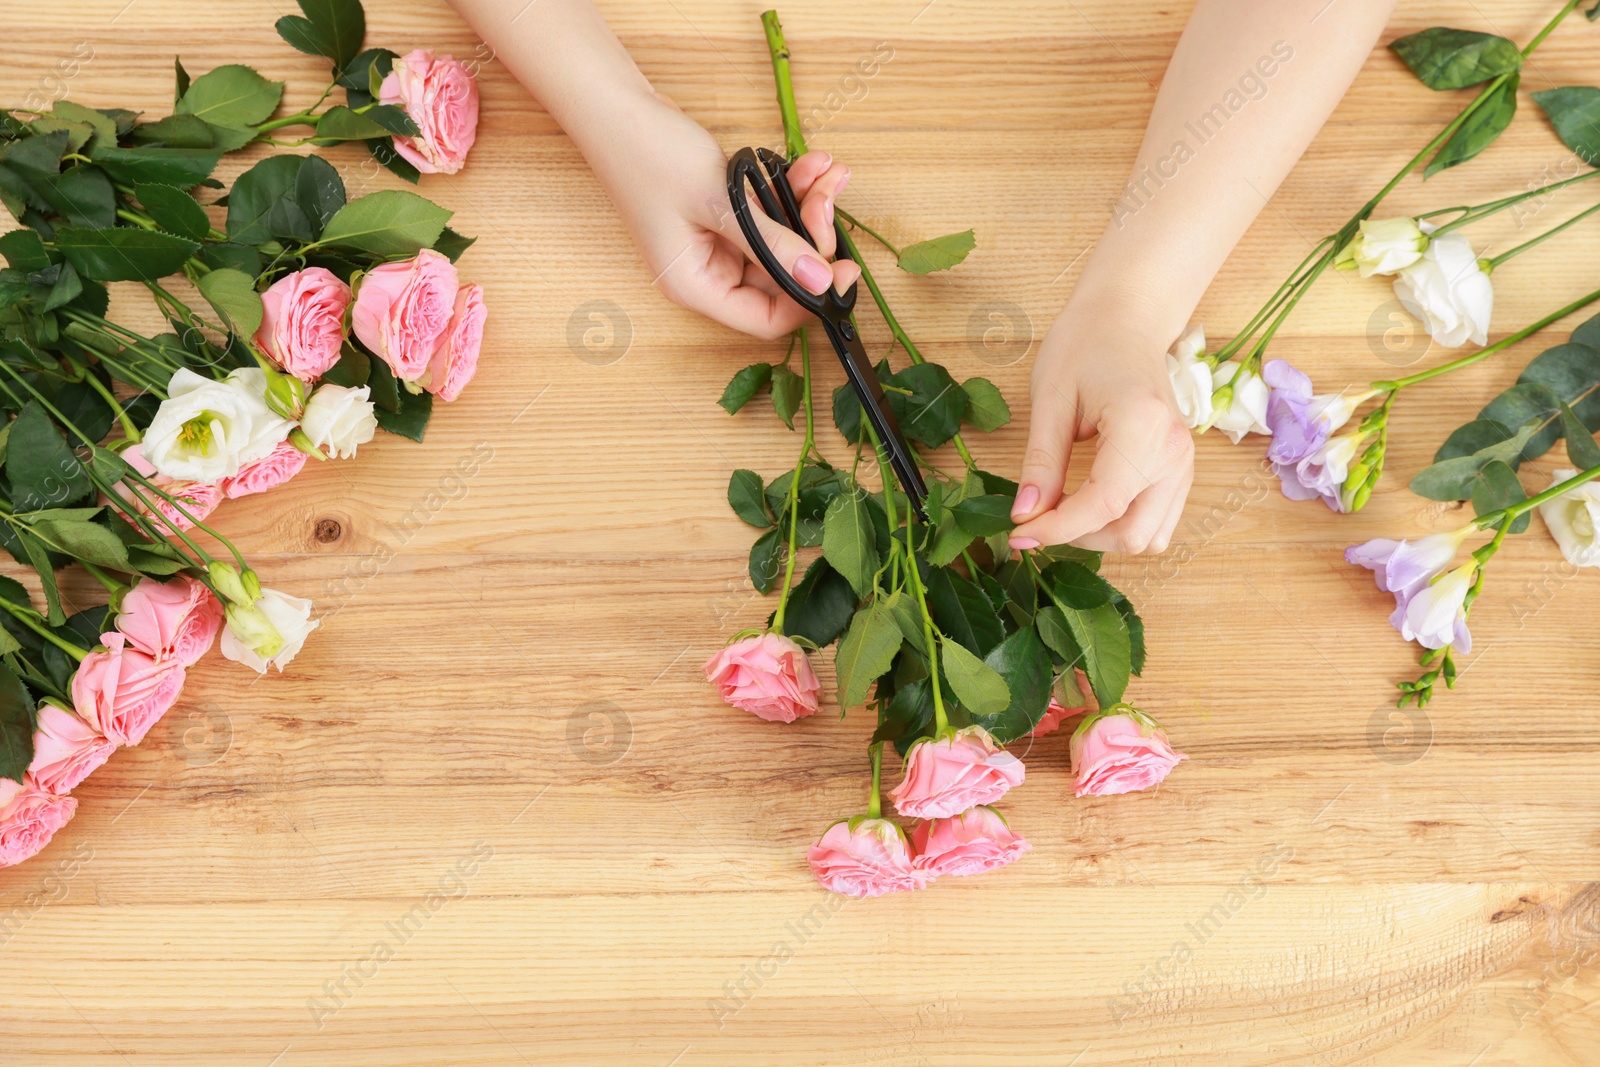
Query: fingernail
843	182
827	160
1021	543
828	211
812	273
1027	500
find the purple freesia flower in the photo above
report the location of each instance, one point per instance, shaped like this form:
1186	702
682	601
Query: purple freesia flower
1321	474
1436	615
1428	608
1301	421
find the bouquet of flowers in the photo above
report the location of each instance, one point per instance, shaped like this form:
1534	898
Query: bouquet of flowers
1440	278
301	323
956	647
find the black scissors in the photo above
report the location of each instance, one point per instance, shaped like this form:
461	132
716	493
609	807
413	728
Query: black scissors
758	167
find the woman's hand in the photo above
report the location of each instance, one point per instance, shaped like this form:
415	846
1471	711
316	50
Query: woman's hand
1099	372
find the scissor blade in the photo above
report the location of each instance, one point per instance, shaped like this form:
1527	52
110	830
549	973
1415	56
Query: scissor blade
864	380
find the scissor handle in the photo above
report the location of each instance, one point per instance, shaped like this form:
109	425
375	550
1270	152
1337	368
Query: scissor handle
764	171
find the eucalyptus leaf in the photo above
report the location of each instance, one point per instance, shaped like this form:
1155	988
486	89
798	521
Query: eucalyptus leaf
1581	447
1495	487
1453	479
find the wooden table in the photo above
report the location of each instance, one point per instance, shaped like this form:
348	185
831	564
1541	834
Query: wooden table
498	757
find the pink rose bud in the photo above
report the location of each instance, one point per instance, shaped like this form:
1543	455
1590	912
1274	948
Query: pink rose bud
122	692
66	750
268	472
947	775
170	620
1053	717
456	359
441	97
302	327
864	857
767	675
29	818
198	499
402	311
975	841
1120	750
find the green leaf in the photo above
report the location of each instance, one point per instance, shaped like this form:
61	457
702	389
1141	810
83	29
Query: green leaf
1479	131
1574	111
1024	665
352	370
390	222
909	716
124	253
174	210
984	515
745	496
39	557
1052	625
233	96
233	294
42	470
1455	59
932	413
849	542
787	387
412	418
256	193
949	541
1072	585
867	651
1572	373
820	605
391	119
902	607
1495	487
382	149
86	541
1530	402
962	611
1453	479
181	167
318	192
331	28
1472	437
986	407
452	244
1107	650
940	253
24	250
105	129
1130	618
977	685
744	385
16	726
1581	447
765	560
340	123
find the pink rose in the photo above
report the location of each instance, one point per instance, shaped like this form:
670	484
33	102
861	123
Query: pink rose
66	750
441	97
456	359
975	841
29	818
767	675
268	472
302	326
947	775
197	498
1120	750
402	311
170	620
864	857
122	691
1053	717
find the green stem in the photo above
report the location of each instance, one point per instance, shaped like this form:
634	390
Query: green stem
875	801
129	430
874	234
1503	343
1495	261
1483	211
1522	507
30	618
794	482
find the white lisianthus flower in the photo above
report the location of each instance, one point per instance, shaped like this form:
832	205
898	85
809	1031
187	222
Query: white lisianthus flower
1383	247
339	419
1246	411
1448	289
1191	377
268	633
206	430
1574	520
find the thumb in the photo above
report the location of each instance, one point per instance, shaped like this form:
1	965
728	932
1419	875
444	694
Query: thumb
1052	428
802	262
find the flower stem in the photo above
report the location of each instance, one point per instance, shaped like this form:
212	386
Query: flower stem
794	482
129	430
1484	353
1521	507
875	801
870	232
1483	211
1495	261
30	618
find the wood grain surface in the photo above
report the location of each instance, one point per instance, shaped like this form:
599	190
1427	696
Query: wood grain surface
494	815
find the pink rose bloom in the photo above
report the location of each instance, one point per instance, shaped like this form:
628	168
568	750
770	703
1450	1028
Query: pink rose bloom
864	857
268	472
975	841
948	775
403	310
170	620
122	692
441	97
1054	715
1120	750
456	359
302	325
198	498
767	675
29	818
66	750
